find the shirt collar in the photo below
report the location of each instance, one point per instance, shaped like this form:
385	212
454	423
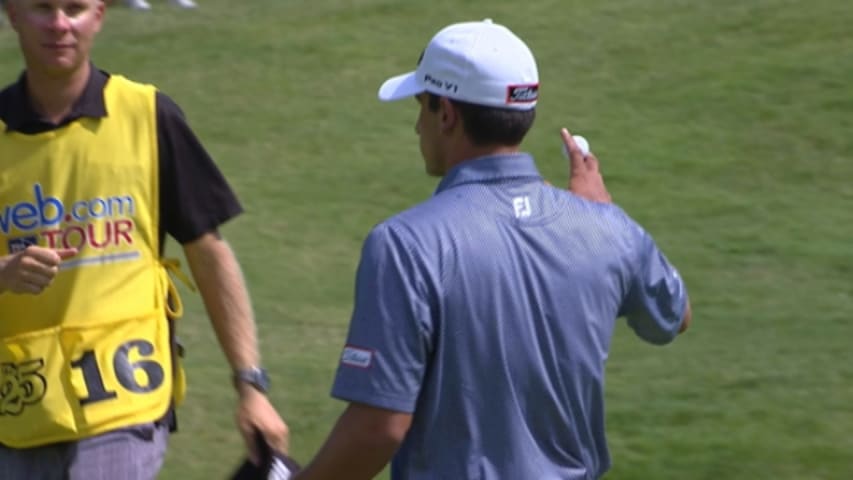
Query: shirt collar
489	169
22	117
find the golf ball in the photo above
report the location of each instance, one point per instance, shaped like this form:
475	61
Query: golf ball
581	142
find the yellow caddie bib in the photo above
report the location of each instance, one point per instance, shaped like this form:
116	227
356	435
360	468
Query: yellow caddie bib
92	353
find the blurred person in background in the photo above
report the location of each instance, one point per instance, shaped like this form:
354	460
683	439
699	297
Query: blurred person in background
104	168
144	5
483	316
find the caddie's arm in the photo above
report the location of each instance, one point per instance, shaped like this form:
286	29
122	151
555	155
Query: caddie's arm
220	281
31	270
360	445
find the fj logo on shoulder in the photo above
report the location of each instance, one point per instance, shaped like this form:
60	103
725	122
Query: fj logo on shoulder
522	207
356	357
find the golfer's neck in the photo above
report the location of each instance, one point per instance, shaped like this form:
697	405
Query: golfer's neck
53	95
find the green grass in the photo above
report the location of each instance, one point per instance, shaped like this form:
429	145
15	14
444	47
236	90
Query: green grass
723	127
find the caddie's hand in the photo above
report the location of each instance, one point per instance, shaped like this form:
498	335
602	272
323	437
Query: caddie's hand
255	413
31	270
584	176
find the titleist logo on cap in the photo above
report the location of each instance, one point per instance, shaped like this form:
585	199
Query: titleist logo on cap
522	93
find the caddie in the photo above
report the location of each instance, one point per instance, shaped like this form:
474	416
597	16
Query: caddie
95	171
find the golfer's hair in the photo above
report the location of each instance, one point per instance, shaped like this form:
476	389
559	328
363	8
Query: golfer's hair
490	125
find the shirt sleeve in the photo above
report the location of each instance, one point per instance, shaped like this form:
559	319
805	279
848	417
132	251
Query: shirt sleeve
657	298
388	344
195	198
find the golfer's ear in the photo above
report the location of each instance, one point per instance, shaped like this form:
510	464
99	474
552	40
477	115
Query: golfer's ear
449	115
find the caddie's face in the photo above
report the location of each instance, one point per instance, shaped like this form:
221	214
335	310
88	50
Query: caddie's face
427	128
56	35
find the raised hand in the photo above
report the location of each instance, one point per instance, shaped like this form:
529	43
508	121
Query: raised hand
585	179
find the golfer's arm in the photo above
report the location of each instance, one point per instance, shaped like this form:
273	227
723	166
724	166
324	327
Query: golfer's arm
362	442
216	272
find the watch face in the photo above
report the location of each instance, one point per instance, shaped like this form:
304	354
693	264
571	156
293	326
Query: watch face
257	377
263	380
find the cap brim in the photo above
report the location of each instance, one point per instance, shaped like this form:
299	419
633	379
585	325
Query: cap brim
400	87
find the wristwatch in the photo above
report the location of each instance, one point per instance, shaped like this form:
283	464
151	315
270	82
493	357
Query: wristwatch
255	376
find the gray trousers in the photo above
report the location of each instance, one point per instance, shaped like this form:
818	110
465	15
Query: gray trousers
134	453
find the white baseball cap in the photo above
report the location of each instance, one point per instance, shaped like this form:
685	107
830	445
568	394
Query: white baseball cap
474	62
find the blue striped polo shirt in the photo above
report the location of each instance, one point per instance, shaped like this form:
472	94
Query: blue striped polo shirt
487	312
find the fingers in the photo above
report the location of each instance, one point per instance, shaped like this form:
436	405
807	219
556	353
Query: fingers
21	286
258	421
66	253
585	178
30	287
48	256
276	439
39	279
41	265
248	432
273	433
592	162
272	428
253	449
44	256
33	270
576	160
